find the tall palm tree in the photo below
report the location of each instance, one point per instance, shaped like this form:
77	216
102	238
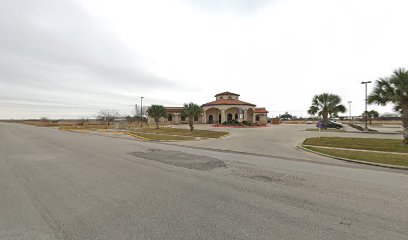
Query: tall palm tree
326	105
370	115
192	110
156	112
393	89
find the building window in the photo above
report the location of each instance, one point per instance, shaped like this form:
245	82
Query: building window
236	116
257	118
229	97
183	118
170	118
221	98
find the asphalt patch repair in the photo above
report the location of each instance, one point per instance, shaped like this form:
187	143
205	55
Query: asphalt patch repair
181	159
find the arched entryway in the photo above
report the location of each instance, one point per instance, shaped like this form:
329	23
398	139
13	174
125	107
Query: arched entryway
232	113
229	117
211	115
250	115
210	119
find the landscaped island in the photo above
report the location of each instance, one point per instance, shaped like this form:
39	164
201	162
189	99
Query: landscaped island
383	151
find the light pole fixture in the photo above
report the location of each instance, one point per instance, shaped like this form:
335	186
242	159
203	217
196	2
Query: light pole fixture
141	111
366	99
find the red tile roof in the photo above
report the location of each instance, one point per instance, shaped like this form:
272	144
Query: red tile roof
261	111
226	93
228	102
174	109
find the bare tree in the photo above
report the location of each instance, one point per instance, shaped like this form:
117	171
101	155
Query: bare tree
83	121
108	115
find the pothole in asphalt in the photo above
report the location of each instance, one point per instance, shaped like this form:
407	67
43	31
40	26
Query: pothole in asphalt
264	178
181	159
268	176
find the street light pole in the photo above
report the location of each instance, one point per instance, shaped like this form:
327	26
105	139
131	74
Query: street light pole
366	98
349	102
141	111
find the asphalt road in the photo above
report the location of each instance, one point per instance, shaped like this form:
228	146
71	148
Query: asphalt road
64	185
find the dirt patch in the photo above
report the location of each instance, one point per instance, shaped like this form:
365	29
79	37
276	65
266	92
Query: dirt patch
181	159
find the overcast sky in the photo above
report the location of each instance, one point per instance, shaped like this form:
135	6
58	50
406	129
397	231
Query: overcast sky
69	59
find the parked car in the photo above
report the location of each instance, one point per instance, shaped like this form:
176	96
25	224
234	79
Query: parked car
333	124
308	122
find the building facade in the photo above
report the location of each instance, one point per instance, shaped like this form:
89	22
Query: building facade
226	107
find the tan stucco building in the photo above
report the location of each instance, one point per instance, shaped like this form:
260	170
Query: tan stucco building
226	106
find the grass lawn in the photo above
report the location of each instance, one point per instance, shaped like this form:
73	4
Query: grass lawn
393	159
325	130
183	132
387	145
162	137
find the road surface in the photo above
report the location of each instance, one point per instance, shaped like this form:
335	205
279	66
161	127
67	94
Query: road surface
64	185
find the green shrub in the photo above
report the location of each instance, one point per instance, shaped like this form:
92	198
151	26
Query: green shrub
246	123
232	122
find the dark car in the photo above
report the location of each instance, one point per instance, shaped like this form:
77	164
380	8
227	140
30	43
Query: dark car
332	124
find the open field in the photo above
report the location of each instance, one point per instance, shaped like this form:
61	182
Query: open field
387	145
64	123
384	158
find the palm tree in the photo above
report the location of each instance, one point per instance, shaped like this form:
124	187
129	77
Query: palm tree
370	115
156	112
326	105
191	110
393	89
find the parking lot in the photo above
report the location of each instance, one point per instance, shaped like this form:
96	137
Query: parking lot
276	140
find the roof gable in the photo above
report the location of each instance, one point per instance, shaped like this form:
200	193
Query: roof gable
226	93
228	102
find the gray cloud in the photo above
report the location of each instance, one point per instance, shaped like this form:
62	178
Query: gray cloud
54	52
239	6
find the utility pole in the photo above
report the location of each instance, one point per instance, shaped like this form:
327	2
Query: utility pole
141	111
366	98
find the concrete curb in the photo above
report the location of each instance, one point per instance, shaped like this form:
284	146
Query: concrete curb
137	136
89	132
195	138
355	161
